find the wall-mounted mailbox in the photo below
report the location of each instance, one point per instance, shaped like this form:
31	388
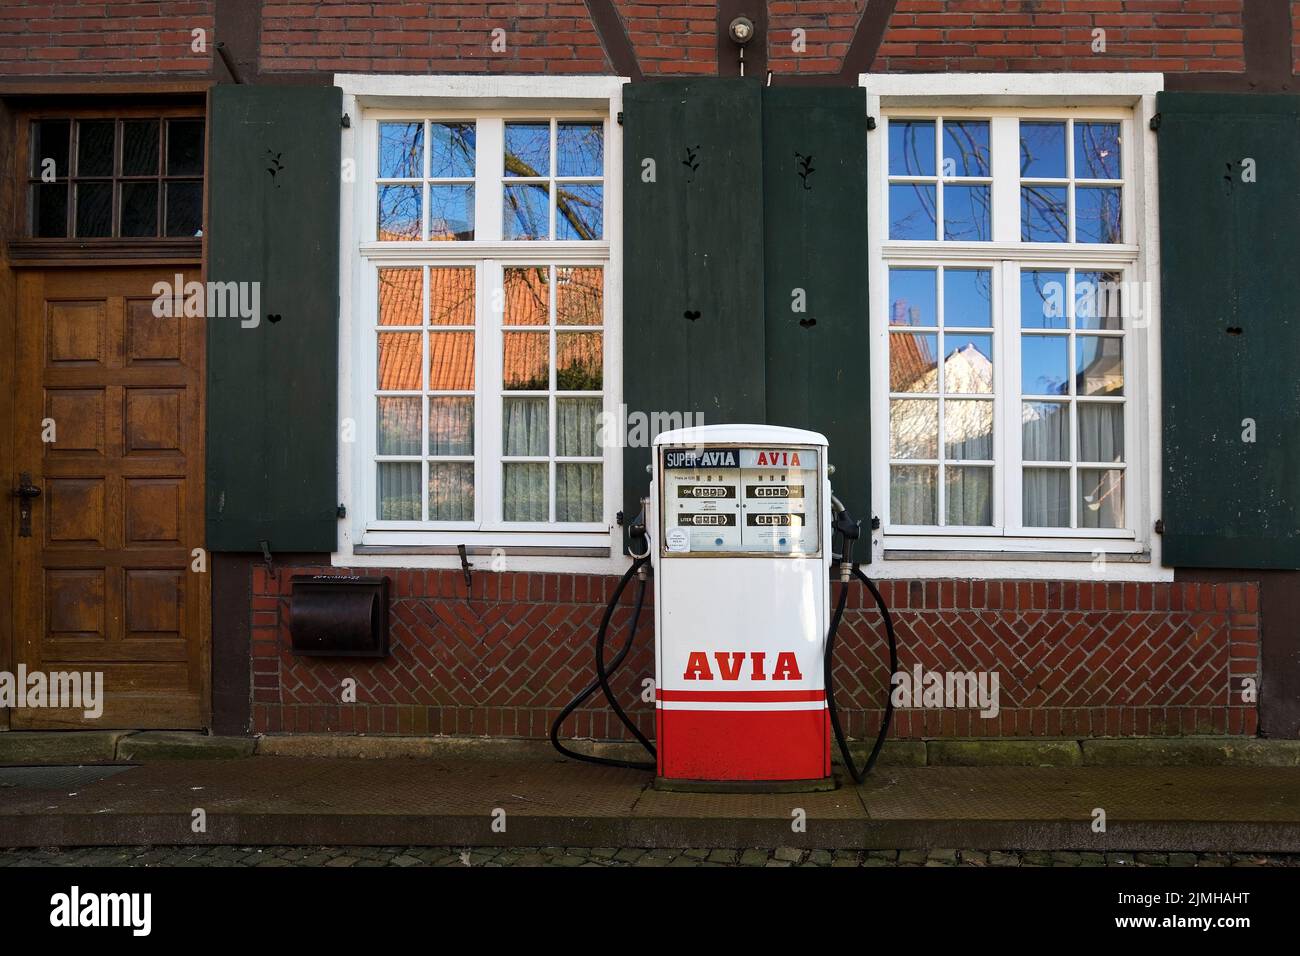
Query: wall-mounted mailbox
339	616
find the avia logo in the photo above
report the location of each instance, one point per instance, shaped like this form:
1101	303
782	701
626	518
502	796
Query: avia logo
731	663
788	459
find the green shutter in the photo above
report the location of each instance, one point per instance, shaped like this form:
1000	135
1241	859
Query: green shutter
273	390
692	243
815	226
1230	332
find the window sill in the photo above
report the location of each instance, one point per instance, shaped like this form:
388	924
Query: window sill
900	554
550	551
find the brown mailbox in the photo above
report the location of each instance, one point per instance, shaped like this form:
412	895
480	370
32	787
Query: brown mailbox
331	616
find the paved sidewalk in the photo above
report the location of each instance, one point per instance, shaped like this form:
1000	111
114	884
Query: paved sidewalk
610	856
266	801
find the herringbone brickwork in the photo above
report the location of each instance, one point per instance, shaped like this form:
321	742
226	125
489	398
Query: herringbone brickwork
1073	658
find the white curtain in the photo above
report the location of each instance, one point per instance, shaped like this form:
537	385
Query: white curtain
399	490
968	495
912	494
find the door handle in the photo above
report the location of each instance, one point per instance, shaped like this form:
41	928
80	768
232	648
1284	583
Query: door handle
25	493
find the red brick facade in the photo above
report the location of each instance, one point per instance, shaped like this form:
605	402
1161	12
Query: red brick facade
52	37
1158	36
1074	658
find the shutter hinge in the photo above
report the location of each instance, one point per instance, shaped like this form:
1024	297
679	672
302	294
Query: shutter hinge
1155	123
347	121
1160	526
871	123
266	556
618	519
620	117
341	511
875	522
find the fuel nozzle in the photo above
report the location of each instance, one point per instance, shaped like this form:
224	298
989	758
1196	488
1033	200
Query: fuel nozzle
849	529
638	540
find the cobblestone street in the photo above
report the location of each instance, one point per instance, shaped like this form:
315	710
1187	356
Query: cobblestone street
347	856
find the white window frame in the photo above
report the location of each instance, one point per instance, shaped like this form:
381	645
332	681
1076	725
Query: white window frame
1008	550
491	101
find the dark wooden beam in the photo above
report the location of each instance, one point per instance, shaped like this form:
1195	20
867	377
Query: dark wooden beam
614	38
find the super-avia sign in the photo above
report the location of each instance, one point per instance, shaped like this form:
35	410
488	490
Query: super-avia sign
731	665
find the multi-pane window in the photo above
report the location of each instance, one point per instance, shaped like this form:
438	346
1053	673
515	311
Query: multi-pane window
489	348
1009	317
115	177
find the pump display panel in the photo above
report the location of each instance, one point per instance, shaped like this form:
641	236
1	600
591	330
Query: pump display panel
740	500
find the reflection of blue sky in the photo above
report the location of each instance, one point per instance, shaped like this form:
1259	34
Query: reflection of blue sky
912	297
1042	299
401	150
966	147
1096	150
966	297
529	146
911	211
911	148
1042	150
579	149
1044	365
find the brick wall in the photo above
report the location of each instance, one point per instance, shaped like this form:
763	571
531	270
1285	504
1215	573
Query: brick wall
398	36
1161	36
672	36
44	37
828	30
1073	658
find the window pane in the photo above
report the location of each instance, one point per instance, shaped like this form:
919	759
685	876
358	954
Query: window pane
579	361
451	150
1045	431
912	297
911	147
1042	150
451	491
968	496
1046	497
525	431
967	298
1101	431
579	211
1044	365
399	362
1099	365
968	367
451	361
400	295
139	209
94	209
527	295
451	213
580	149
1098	300
451	425
577	424
914	428
966	216
1043	299
968	430
913	494
1101	498
398	487
399	213
527	211
526	496
50	210
965	147
398	426
913	362
527	361
528	149
1044	214
578	492
50	141
911	211
140	148
184	209
451	295
185	147
580	295
401	150
1096	151
96	141
1097	214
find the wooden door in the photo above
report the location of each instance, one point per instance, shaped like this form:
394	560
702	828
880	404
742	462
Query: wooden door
109	426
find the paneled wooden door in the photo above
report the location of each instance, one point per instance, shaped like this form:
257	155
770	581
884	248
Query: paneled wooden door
109	427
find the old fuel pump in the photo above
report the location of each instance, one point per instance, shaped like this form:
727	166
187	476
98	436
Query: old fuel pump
738	531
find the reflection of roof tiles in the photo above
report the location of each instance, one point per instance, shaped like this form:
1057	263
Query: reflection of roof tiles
451	354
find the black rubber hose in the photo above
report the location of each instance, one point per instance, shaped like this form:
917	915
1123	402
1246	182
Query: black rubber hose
859	776
602	676
602	679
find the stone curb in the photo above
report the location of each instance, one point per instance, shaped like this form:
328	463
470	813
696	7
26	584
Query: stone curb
55	748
